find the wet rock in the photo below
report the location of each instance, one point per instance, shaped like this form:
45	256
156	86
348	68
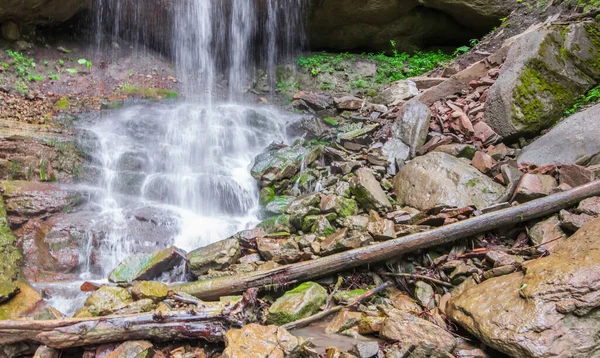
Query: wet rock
441	179
156	291
317	102
303	206
573	222
534	186
365	349
368	192
278	205
276	224
572	140
344	320
537	83
412	126
20	304
344	240
258	341
574	175
10	258
322	226
146	266
104	301
303	301
216	256
548	310
140	306
547	234
397	92
132	349
282	163
416	334
283	250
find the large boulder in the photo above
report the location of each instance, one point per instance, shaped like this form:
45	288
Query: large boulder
40	11
256	341
549	309
301	302
441	179
412	126
216	256
370	25
146	266
279	163
572	140
546	69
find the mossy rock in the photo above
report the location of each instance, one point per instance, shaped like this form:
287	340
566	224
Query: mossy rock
278	205
22	303
280	223
156	291
146	266
303	301
348	296
546	70
105	300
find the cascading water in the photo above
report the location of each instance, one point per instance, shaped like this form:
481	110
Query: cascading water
184	166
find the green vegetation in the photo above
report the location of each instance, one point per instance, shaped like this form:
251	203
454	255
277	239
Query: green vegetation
148	93
389	68
592	96
24	66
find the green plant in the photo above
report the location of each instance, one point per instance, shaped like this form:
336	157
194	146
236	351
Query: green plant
53	76
327	86
591	96
72	70
461	50
473	42
83	61
21	87
24	66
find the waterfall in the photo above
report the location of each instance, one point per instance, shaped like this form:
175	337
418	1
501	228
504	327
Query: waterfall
217	44
186	163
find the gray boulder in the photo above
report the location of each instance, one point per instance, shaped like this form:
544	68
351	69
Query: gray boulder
574	139
546	69
441	179
216	256
412	127
368	192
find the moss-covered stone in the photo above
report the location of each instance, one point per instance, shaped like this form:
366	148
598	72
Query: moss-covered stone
10	258
303	301
280	223
347	296
22	303
278	205
156	291
267	194
146	266
105	300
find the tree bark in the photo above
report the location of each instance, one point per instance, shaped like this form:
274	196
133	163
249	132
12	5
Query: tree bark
289	274
209	323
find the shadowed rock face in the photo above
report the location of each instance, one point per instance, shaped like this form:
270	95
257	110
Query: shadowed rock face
549	310
333	24
370	25
40	11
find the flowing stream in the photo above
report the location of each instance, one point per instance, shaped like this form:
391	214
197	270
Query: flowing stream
182	167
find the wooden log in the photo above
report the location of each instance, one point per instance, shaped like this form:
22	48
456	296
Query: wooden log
328	312
303	271
209	323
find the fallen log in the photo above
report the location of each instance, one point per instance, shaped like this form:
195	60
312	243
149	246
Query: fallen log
328	312
303	271
209	323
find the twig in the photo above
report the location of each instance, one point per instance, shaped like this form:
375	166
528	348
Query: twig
420	277
319	316
333	292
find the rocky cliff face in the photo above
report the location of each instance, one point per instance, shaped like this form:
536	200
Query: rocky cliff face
332	24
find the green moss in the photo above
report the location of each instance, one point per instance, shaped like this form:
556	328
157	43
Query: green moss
467	152
63	103
280	223
301	302
266	195
537	83
331	121
148	93
346	207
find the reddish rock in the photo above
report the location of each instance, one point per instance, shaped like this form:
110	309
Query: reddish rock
590	206
483	162
484	132
534	186
575	175
349	103
313	100
573	222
